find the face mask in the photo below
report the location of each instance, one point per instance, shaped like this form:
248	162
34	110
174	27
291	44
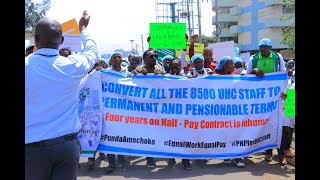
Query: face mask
239	70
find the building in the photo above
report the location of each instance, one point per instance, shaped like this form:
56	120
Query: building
256	19
225	20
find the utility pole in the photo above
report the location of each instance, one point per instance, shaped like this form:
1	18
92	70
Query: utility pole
199	20
178	10
131	44
142	42
188	16
217	31
137	49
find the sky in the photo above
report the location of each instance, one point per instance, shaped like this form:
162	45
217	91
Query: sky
113	23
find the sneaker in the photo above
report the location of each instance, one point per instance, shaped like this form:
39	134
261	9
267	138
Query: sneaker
288	153
102	156
187	165
110	168
268	158
90	163
227	161
282	161
151	164
238	162
172	162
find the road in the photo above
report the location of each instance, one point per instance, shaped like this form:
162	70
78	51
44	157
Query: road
256	168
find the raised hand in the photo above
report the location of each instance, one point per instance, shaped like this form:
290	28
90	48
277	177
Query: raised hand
84	21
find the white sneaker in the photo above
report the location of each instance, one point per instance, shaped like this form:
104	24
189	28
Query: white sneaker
238	163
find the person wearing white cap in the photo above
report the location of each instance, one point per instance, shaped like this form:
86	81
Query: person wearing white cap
266	60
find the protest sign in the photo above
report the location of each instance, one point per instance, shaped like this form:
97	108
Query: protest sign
245	57
163	52
222	49
290	103
175	117
90	113
168	35
198	48
71	33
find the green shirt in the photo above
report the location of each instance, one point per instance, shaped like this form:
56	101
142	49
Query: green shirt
266	64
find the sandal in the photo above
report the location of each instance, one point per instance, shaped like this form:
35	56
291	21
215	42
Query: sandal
268	158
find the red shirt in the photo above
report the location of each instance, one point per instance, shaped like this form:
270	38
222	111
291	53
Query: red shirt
212	65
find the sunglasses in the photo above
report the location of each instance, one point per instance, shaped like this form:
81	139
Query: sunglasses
153	56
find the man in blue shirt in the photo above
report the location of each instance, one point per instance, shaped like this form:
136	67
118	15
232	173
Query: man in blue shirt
52	150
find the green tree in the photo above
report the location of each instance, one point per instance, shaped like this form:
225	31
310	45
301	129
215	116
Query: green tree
34	12
207	40
288	32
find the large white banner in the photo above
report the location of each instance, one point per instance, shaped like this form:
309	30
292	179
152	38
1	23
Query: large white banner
90	113
211	116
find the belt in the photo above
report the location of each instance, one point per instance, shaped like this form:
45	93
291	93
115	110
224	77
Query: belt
57	140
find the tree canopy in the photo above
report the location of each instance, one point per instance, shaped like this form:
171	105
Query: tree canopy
34	12
288	33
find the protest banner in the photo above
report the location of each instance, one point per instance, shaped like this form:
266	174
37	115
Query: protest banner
71	33
198	48
167	35
216	117
90	113
290	103
222	49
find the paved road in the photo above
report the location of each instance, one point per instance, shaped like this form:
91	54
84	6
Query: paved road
256	168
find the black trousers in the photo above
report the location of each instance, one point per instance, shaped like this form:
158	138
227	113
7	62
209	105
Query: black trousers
54	159
287	133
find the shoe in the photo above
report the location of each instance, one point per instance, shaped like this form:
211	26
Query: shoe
151	164
187	165
111	168
282	161
172	162
268	158
227	161
288	153
238	162
102	156
90	163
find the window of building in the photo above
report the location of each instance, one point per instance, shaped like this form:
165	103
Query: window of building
223	39
227	24
290	10
224	10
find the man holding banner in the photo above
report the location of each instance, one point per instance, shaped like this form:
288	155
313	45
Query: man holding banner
268	61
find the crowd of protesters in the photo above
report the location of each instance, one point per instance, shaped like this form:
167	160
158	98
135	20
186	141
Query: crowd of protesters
53	76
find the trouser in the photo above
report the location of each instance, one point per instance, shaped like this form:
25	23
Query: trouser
54	159
287	133
184	161
150	159
94	156
281	149
112	158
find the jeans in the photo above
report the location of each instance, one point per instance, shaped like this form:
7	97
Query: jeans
52	160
